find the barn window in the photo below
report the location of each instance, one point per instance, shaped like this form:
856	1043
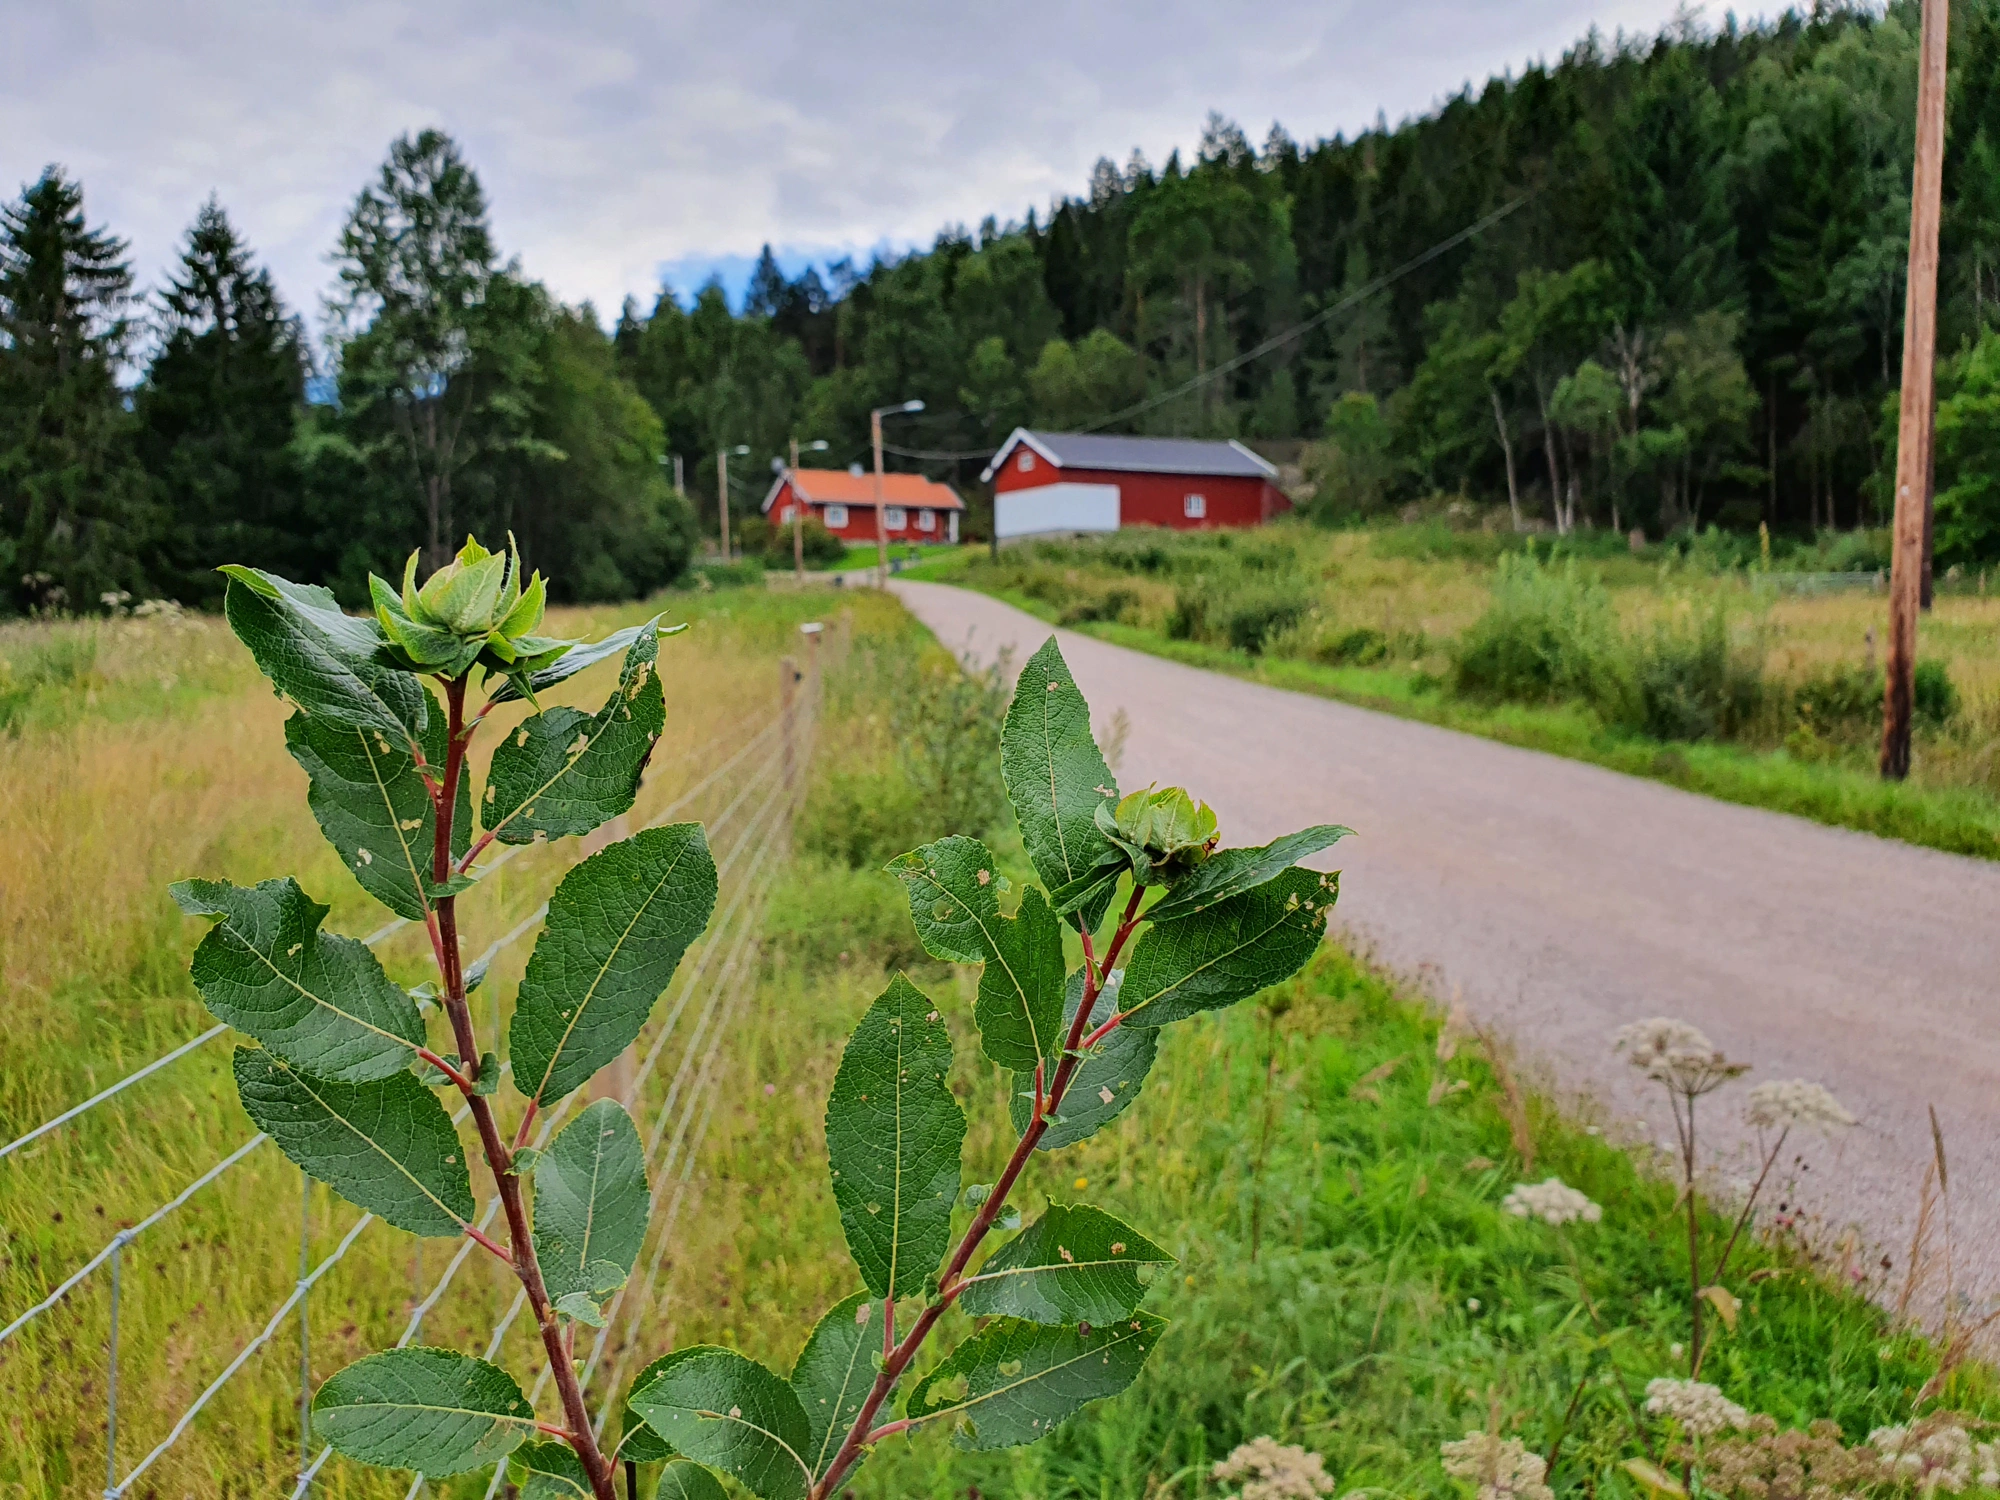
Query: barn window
1194	507
895	518
927	520
785	516
1027	461
836	518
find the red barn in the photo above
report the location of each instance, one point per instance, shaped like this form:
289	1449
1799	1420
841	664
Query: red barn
915	509
1065	482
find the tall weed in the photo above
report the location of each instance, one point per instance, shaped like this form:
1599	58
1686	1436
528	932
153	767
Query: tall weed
1549	634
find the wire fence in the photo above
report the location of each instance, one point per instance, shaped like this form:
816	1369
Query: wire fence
756	771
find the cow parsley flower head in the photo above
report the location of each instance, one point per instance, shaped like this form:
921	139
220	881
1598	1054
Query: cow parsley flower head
1677	1055
1501	1467
1553	1202
1930	1457
1796	1104
1700	1408
1271	1470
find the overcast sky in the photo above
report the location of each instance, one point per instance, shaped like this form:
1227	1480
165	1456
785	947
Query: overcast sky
621	143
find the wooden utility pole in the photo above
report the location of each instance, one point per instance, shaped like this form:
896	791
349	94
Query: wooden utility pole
798	518
722	496
1906	574
881	520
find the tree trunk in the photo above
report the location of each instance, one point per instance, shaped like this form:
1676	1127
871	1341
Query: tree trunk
1549	452
1507	450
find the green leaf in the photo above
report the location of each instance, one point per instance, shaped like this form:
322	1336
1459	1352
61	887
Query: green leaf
318	1000
836	1371
431	1410
615	932
1072	1265
329	663
1106	1081
688	1481
591	1203
579	658
1229	952
372	805
564	772
1231	872
387	1146
718	1408
893	1136
549	1471
952	887
637	1441
1056	776
1015	1382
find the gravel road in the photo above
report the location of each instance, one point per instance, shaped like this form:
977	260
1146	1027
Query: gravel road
1563	900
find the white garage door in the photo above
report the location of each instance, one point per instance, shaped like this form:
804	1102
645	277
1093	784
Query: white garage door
1056	507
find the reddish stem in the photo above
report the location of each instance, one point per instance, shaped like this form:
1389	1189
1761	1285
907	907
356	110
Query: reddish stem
480	1237
465	1084
528	1119
554	1431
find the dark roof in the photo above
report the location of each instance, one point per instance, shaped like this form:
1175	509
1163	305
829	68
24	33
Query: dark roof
1136	455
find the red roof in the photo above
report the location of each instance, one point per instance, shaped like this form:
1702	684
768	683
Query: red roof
839	487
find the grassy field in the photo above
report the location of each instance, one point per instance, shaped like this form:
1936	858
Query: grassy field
1347	1279
1384	619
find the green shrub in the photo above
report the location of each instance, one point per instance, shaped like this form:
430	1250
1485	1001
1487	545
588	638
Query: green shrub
1549	634
1264	610
862	819
744	572
772	541
947	729
1099	604
1692	684
1360	647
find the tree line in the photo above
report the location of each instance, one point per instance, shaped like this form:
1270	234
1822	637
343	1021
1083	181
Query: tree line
1681	306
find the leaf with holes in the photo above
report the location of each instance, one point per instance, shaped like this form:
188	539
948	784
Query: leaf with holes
1072	1265
718	1408
616	929
1015	1382
1107	1080
374	808
327	662
1056	776
1228	952
893	1136
952	887
591	1204
563	772
1231	872
431	1410
387	1146
548	1471
318	1000
581	658
835	1372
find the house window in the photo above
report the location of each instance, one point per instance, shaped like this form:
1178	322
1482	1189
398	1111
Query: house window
1027	461
836	518
1194	507
927	520
895	518
785	516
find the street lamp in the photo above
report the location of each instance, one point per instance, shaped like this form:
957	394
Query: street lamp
881	523
741	450
817	445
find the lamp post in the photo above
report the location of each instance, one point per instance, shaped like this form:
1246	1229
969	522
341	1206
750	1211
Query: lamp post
817	445
722	489
881	520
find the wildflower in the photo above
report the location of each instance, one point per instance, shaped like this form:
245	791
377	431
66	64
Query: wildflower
1932	1457
1501	1467
1472	1304
1782	1106
1271	1470
1553	1202
1678	1055
1701	1409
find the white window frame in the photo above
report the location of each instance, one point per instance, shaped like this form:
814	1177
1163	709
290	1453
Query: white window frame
785	515
1026	462
1194	507
895	518
927	520
836	518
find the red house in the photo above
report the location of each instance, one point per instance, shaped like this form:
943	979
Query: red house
1064	482
915	509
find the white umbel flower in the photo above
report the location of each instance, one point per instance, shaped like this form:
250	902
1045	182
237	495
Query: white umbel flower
1676	1054
1553	1202
1941	1459
1795	1103
1700	1408
1271	1470
1501	1467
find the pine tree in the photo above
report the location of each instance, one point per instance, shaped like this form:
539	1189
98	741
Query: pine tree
216	417
73	513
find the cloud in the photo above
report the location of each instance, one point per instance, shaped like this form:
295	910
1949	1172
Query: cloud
617	138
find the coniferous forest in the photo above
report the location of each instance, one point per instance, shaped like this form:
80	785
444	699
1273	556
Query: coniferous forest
1657	283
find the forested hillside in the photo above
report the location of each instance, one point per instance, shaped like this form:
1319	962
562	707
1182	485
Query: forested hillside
1658	282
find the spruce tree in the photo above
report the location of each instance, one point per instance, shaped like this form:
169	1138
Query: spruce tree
216	416
74	519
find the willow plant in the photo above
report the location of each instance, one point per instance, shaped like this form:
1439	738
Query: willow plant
345	1079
